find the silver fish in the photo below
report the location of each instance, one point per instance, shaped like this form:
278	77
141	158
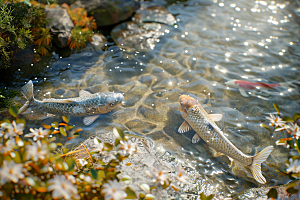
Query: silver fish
198	119
87	104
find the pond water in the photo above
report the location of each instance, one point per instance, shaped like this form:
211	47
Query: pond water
256	41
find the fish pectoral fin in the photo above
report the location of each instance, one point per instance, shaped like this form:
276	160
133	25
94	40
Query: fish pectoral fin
84	93
196	138
46	115
184	127
58	100
243	93
89	119
216	117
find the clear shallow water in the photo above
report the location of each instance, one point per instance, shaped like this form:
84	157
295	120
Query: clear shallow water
244	40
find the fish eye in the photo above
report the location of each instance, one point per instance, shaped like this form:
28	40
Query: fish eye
181	102
111	104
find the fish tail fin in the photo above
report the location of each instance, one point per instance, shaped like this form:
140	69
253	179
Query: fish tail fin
255	167
27	91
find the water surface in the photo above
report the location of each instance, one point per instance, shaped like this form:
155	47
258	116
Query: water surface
209	45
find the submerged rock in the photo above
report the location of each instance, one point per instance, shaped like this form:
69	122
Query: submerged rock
154	14
133	36
142	34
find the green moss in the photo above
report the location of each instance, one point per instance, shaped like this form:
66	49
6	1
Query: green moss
18	25
6	96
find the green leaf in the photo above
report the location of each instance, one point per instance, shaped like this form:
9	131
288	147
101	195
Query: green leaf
141	195
203	197
59	144
21	120
287	119
292	190
13	111
54	124
71	163
276	107
66	119
108	146
65	150
17	157
266	127
165	185
121	133
94	173
272	193
63	131
296	116
117	142
130	193
68	127
298	144
101	174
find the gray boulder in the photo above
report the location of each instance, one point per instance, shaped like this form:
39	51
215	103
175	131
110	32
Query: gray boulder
108	12
60	25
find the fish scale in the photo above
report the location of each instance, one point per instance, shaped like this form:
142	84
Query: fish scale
213	136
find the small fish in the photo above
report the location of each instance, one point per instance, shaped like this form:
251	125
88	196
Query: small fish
87	104
198	119
252	86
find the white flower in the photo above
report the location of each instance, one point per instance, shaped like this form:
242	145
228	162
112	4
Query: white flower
113	190
159	175
294	166
181	176
276	120
36	151
8	146
98	147
295	130
13	129
129	146
61	187
11	171
82	162
37	133
71	178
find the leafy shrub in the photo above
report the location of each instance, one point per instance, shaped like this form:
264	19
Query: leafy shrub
288	124
22	25
35	169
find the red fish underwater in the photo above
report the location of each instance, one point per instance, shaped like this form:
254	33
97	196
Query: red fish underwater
248	85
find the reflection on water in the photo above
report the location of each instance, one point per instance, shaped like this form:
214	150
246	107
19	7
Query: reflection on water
209	45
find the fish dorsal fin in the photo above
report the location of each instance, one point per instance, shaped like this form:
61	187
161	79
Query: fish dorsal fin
184	127
88	120
216	117
58	100
243	93
196	138
84	93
